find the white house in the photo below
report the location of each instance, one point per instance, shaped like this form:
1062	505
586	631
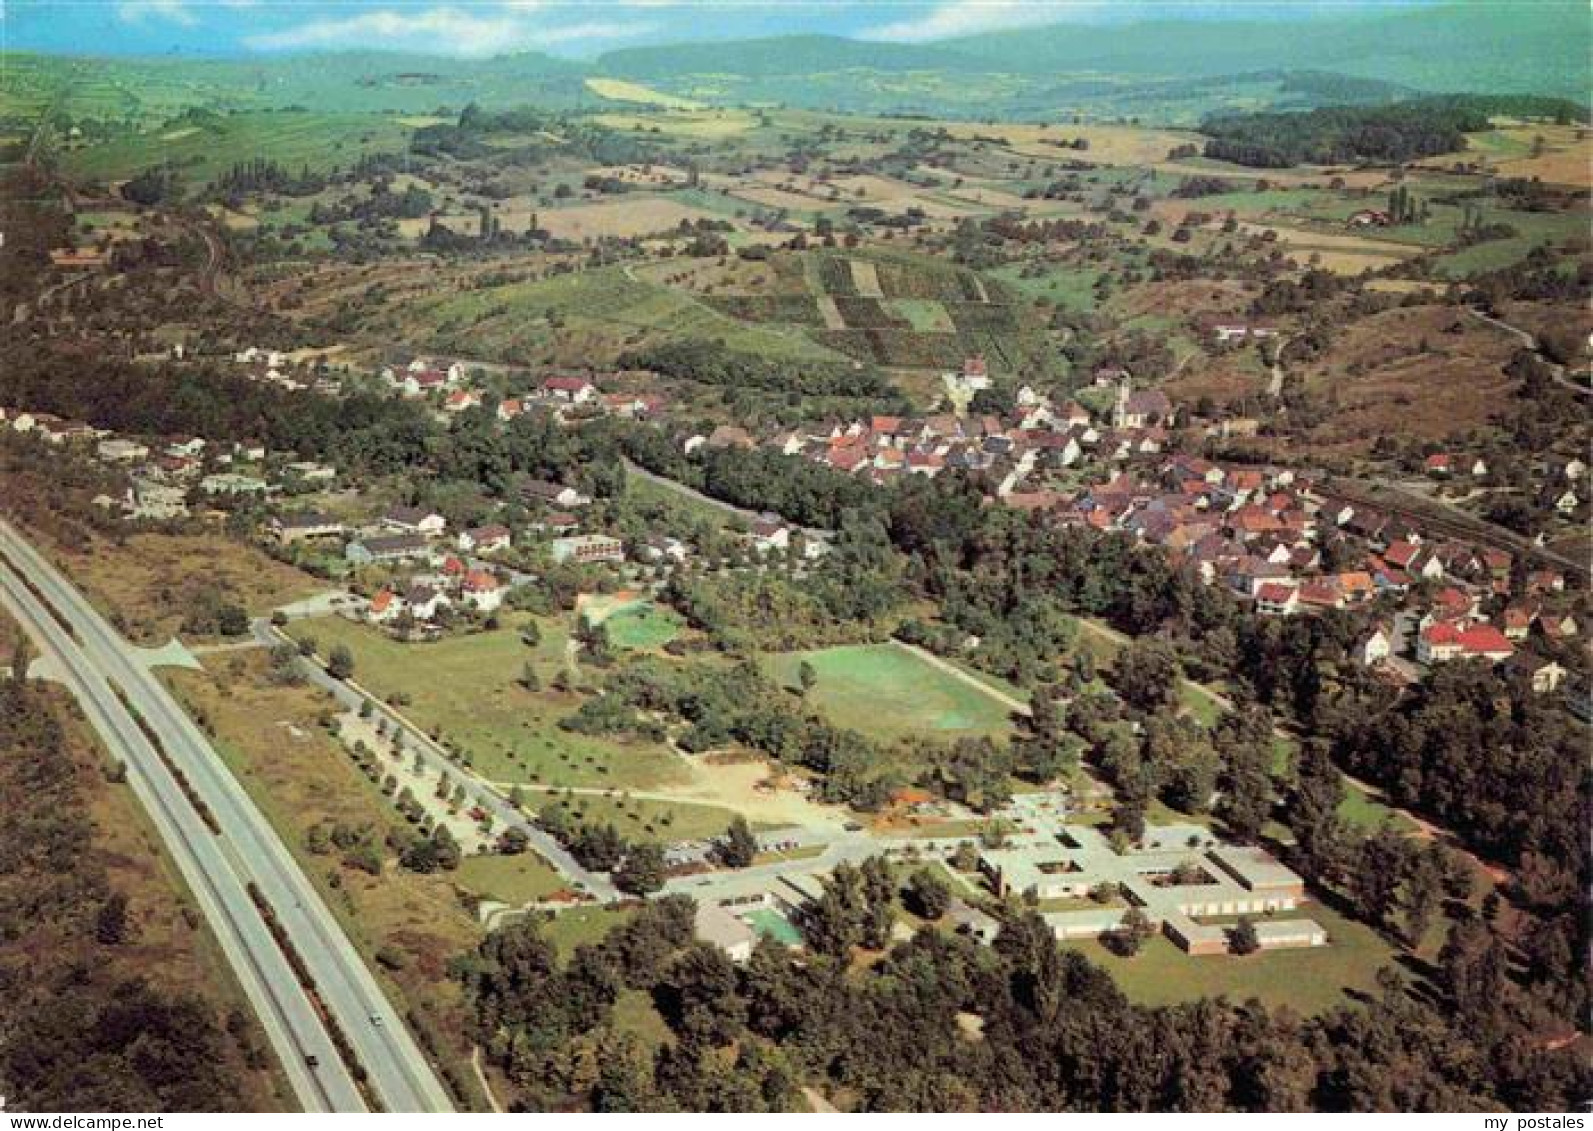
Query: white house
482	591
122	451
769	533
415	520
484	539
570	390
1376	647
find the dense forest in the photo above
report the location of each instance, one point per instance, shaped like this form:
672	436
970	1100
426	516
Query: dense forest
82	1028
1336	135
941	1023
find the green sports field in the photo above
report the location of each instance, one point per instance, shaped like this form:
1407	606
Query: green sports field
887	692
642	627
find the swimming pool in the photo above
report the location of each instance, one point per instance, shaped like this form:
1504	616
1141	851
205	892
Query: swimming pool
774	925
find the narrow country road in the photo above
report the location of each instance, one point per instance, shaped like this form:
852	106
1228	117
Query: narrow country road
1275	383
1530	340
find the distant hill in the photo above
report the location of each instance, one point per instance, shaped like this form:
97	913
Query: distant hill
780	56
1171	70
1447	48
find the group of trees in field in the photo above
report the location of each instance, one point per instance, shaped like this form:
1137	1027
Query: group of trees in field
637	866
721	706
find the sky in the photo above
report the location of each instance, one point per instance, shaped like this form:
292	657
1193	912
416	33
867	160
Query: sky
571	28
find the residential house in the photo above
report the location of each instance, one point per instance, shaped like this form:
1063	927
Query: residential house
1136	409
122	451
304	525
1376	647
415	520
482	591
309	471
1517	620
729	436
661	547
483	539
769	533
541	492
1442	641
424	602
231	484
570	390
975	376
1275	599
385	606
509	408
1542	675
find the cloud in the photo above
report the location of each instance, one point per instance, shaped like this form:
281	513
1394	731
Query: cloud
173	11
445	30
969	17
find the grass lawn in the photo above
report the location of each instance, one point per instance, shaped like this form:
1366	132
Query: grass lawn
643	627
569	929
1201	704
510	879
1310	980
464	689
888	692
1364	811
678	504
639	818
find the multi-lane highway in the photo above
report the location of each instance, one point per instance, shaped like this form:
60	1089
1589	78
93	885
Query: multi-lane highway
92	659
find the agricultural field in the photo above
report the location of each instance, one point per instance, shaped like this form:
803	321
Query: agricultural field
899	310
618	90
202	149
599	314
464	691
635	214
888	692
